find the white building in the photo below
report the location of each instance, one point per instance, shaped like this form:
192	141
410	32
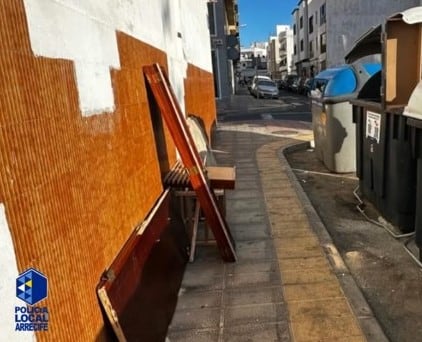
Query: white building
325	30
285	39
253	60
279	51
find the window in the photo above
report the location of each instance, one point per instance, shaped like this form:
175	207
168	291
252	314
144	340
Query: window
301	45
211	18
323	42
311	24
301	22
294	28
322	15
295	50
316	18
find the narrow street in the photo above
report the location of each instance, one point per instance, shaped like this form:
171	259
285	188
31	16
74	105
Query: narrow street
386	274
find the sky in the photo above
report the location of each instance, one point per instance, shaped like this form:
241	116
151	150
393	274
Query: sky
258	18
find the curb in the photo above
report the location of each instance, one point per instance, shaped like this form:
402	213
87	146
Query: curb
366	318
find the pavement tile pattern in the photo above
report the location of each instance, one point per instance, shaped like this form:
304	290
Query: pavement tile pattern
283	287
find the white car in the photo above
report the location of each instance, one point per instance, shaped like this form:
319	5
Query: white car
254	81
265	88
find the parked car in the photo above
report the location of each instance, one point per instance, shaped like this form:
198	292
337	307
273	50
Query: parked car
287	81
292	83
253	84
265	88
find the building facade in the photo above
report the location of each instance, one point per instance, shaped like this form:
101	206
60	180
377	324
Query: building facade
253	61
285	39
81	162
325	30
279	52
224	33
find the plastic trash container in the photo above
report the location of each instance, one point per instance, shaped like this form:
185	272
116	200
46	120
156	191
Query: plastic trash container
334	131
385	165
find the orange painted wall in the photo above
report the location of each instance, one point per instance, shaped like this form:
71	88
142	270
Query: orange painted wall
199	96
75	187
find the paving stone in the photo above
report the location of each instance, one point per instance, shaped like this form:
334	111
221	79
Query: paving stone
248	204
247	185
248	232
258	332
255	216
196	335
282	203
336	307
286	233
254	314
196	319
199	300
323	290
294	215
320	328
297	252
308	276
299	242
255	254
348	339
253	295
303	263
244	193
203	280
252	267
255	279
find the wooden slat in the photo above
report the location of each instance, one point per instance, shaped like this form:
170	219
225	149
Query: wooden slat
183	140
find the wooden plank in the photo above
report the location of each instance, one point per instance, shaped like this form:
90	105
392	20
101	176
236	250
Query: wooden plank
176	122
221	177
155	253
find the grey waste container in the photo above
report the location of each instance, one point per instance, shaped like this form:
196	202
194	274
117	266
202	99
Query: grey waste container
333	127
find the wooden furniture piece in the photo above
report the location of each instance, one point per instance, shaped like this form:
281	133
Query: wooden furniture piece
148	268
221	178
176	122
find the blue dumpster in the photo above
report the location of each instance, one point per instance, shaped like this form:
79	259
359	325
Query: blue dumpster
334	131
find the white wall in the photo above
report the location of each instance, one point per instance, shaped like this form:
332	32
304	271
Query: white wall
85	32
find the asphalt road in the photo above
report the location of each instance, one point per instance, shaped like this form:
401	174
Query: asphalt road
289	106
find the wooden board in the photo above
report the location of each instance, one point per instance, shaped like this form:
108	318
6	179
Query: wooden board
148	268
221	177
176	122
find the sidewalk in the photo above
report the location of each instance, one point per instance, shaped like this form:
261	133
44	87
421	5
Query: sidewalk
289	283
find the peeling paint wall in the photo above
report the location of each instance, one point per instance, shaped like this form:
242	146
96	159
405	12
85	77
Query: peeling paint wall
85	33
79	162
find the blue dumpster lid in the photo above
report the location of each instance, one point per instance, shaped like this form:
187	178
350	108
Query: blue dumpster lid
337	81
342	80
